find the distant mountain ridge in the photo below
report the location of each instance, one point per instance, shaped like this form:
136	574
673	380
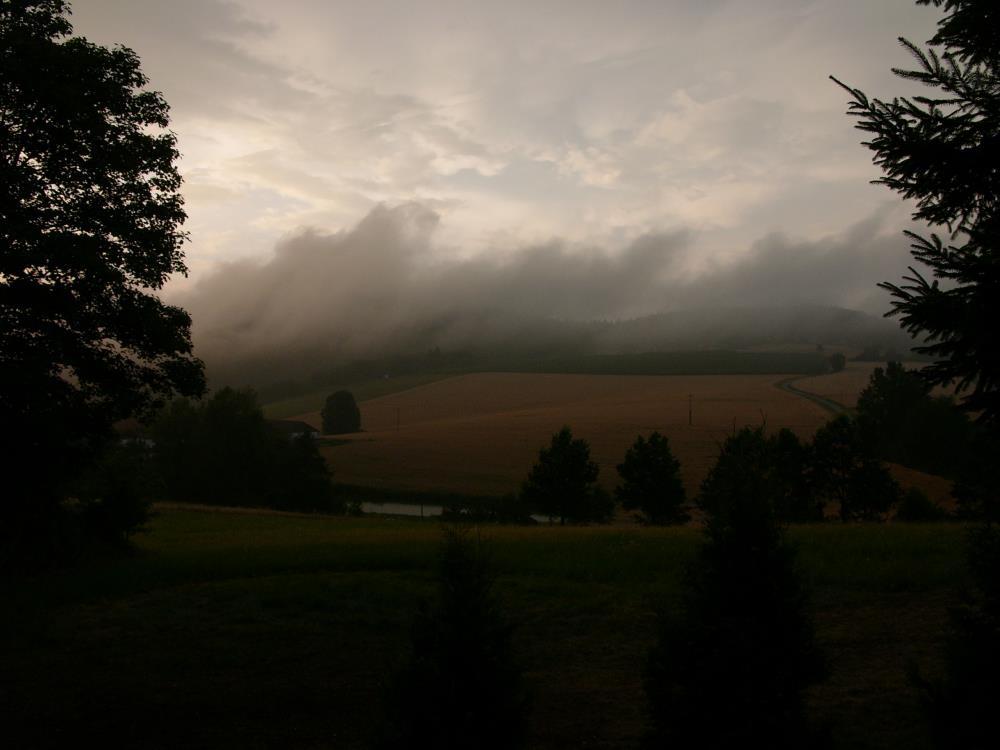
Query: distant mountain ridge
489	339
749	327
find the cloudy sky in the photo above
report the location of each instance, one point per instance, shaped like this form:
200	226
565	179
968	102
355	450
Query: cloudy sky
516	122
655	144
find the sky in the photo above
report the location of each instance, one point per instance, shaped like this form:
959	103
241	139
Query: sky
489	134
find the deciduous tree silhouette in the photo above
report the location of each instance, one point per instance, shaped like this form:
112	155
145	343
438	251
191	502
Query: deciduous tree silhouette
90	216
221	451
776	466
340	413
846	472
900	421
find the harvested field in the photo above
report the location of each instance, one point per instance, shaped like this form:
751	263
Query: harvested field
479	434
845	386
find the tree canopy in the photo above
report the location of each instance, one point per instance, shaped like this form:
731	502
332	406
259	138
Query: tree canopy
340	413
563	482
900	421
221	451
651	481
772	469
90	226
942	151
846	472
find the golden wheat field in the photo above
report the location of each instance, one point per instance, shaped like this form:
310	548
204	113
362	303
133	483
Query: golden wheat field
845	386
480	433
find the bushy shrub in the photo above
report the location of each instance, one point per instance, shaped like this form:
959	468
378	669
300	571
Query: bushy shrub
916	506
115	496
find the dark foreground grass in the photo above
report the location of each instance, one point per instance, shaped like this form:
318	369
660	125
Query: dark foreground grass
252	631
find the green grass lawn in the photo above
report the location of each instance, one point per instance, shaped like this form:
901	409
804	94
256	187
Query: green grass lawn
247	631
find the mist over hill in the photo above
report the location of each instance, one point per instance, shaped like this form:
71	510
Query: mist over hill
752	327
380	295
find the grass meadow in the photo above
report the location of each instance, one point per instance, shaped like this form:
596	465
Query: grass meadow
256	630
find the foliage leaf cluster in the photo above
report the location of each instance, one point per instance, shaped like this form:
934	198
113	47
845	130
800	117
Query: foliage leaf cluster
221	451
90	219
900	421
775	467
340	414
651	481
563	482
800	480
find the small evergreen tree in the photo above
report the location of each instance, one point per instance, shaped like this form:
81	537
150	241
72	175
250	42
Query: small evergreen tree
340	414
729	669
651	481
462	688
563	482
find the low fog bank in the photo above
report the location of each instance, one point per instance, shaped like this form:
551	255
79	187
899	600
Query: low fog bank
372	292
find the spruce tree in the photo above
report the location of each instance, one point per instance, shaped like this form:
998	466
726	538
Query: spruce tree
462	687
941	150
729	669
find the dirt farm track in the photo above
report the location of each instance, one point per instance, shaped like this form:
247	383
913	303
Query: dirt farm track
479	434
